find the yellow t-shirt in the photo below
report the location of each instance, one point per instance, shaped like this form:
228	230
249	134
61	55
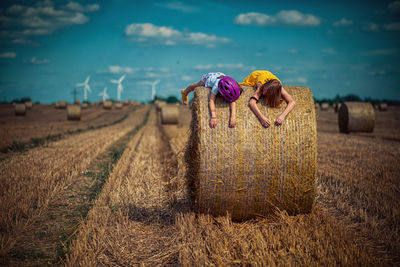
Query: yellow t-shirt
262	76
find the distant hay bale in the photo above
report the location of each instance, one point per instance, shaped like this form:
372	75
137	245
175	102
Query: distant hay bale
101	102
169	114
77	101
250	170
324	106
159	104
383	106
20	109
337	107
107	104
126	102
74	112
118	105
316	106
29	104
61	104
84	106
356	117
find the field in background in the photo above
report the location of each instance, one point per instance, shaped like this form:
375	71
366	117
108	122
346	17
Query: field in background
143	215
45	121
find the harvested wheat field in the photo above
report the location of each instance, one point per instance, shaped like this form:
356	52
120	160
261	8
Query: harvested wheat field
144	216
46	122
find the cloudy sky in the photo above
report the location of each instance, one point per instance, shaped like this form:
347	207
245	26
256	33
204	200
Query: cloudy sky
333	47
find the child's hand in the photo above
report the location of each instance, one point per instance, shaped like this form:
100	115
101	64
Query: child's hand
265	122
279	120
213	122
232	123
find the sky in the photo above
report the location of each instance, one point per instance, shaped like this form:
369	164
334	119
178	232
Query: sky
332	47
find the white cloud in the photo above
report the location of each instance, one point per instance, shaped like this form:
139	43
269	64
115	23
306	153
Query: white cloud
394	7
371	27
293	51
343	23
223	66
282	18
42	18
392	26
8	55
186	78
78	7
380	52
150	34
119	69
177	5
296	80
329	51
377	72
258	54
34	60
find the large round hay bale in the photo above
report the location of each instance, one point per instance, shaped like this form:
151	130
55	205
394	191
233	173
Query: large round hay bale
29	104
74	112
159	104
383	106
169	114
356	117
20	109
107	104
84	106
118	105
61	104
324	106
250	170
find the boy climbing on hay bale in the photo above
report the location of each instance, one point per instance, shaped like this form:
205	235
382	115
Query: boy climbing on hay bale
219	83
270	86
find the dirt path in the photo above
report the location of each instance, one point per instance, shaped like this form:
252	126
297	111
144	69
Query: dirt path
132	221
31	181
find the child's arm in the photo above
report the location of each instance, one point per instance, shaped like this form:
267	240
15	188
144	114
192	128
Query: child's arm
253	106
290	105
232	122
213	119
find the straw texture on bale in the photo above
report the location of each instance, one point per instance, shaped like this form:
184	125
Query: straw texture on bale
85	105
28	104
356	117
61	104
324	106
107	104
74	112
250	170
383	106
169	114
20	109
118	105
159	104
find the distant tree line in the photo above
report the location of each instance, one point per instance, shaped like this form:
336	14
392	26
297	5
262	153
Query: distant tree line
353	97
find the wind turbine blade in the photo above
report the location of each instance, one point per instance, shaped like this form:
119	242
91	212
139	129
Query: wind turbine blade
114	81
87	87
156	82
79	84
122	78
87	79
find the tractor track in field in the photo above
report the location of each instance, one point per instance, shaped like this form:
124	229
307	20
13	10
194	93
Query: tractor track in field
36	225
132	222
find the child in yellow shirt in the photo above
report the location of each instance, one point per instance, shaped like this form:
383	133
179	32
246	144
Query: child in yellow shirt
268	85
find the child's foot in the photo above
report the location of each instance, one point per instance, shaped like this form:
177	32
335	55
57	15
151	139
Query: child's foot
184	97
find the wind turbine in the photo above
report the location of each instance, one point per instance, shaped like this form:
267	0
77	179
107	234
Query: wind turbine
119	87
153	88
86	88
104	94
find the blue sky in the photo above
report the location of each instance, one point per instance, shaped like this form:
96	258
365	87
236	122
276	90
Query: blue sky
333	47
